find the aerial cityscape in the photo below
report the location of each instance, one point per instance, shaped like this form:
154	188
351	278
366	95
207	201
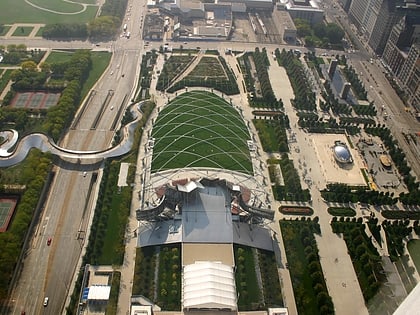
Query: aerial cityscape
209	157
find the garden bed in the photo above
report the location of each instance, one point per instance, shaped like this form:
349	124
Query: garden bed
295	210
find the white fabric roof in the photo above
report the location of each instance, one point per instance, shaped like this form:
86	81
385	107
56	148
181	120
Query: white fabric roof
99	292
209	285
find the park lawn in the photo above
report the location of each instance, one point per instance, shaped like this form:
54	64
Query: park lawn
59	56
113	239
18	11
40	31
23	31
200	129
4	79
100	61
267	134
5	29
413	247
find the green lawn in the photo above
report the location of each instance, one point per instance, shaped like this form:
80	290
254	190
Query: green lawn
100	61
5	29
4	79
18	11
117	219
200	129
414	250
59	56
39	33
23	31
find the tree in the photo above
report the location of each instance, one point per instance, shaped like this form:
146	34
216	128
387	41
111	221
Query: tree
103	27
334	33
303	28
28	66
320	30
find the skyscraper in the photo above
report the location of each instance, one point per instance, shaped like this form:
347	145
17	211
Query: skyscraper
409	76
385	18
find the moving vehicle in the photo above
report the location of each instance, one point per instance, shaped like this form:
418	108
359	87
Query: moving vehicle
49	240
46	299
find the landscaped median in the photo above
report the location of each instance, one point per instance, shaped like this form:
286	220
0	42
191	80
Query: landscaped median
296	210
341	211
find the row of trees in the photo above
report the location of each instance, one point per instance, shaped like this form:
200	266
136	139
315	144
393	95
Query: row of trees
261	65
144	272
318	125
357	120
344	193
395	232
169	287
270	280
367	110
304	96
33	175
249	290
76	73
291	190
365	258
356	84
65	30
308	280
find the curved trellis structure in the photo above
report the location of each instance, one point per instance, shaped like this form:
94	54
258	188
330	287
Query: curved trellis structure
200	129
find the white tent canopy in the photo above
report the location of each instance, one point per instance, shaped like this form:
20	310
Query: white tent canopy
209	285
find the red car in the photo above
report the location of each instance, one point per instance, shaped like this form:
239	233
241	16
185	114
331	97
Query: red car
49	241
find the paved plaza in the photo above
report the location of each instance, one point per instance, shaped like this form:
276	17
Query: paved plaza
349	174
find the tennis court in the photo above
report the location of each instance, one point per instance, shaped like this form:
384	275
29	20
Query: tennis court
7	208
38	100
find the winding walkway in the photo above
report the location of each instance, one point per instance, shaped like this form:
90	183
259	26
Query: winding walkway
46	143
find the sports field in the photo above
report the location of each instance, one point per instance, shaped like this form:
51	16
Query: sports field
47	11
200	129
37	100
7	207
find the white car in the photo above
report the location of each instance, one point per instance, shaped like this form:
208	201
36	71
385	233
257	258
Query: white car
46	301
